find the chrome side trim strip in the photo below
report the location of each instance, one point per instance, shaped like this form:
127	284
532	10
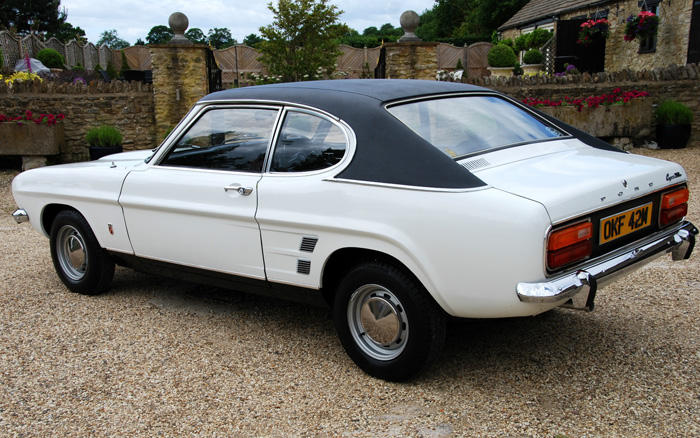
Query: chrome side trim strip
20	216
678	241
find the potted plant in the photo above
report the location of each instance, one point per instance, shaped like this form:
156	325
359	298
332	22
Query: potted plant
104	140
592	30
501	59
673	123
532	62
643	25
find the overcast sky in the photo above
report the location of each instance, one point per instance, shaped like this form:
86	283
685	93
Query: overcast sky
133	19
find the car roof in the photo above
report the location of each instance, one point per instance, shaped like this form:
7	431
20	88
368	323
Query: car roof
387	150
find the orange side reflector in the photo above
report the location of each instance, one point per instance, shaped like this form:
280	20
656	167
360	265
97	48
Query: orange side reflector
570	235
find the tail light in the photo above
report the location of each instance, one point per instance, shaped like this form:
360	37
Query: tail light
570	244
674	206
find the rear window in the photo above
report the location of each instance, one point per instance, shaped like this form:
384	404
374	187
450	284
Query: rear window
464	125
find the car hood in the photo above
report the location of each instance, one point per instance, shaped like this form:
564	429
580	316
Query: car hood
570	178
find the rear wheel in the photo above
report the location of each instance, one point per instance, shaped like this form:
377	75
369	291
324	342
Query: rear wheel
387	322
81	264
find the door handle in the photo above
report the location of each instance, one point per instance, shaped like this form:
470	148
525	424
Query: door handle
245	191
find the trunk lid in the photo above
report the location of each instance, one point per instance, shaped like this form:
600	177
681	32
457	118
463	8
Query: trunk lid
570	178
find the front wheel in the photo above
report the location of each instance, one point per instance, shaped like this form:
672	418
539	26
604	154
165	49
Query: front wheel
81	264
387	322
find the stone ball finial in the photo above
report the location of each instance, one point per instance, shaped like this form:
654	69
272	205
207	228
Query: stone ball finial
409	22
178	23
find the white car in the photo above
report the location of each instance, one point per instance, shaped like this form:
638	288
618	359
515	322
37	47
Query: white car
399	203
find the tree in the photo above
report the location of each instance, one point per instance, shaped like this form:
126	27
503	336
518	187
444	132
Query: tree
196	36
302	40
252	40
220	38
35	16
159	35
111	39
67	32
139	42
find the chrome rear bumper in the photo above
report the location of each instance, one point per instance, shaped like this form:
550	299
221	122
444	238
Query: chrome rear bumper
20	216
580	286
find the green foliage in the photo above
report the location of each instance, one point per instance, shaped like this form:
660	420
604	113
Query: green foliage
104	136
111	71
302	39
372	37
220	38
522	42
196	36
125	65
98	67
111	39
50	58
139	42
159	35
501	55
66	32
508	42
252	40
533	56
459	64
517	70
366	72
31	16
539	37
78	68
671	112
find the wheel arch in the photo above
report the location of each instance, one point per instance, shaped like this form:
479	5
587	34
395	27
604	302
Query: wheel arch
49	213
344	259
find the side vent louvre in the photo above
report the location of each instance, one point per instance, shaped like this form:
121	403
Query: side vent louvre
476	164
308	244
303	266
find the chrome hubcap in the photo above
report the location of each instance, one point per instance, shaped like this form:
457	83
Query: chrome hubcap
377	322
71	252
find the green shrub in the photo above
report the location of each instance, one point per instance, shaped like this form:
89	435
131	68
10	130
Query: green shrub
538	38
50	58
501	55
459	65
111	71
522	42
533	56
104	136
98	67
78	68
671	112
125	64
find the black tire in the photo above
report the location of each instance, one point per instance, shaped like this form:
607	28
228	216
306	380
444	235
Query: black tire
388	323
81	264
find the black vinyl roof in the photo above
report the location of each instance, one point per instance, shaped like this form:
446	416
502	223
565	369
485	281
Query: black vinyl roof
387	150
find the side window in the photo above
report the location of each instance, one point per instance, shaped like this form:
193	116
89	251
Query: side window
307	142
233	139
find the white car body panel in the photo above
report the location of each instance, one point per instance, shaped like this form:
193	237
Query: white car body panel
556	172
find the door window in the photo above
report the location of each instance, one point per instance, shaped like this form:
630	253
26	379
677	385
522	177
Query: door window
234	139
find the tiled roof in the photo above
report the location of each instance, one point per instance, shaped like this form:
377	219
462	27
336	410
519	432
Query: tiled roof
537	10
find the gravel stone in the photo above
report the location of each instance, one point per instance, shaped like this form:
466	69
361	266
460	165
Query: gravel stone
158	357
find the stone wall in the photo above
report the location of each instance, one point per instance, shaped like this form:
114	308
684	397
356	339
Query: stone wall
673	82
411	60
127	106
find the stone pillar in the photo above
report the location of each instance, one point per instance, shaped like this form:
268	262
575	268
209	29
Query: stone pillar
180	76
410	57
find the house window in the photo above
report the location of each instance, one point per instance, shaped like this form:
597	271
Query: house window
648	44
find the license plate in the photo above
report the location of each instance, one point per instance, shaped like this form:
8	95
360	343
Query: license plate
622	224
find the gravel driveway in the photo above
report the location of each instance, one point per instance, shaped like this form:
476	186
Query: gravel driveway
156	357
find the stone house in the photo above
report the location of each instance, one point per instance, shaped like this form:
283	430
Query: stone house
677	41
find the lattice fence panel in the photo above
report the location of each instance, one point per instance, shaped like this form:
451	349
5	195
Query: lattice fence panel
353	60
10	49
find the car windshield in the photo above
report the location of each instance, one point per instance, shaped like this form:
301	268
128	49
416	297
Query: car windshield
464	125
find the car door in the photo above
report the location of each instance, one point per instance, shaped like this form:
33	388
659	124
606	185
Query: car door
196	206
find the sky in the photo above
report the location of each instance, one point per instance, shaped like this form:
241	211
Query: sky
134	19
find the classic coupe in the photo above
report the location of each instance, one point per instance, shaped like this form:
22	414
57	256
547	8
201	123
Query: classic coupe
400	203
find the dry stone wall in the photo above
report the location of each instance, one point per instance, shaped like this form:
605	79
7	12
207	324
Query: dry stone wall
127	106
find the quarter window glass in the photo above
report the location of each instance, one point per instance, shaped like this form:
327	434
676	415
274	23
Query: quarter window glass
233	139
464	125
307	143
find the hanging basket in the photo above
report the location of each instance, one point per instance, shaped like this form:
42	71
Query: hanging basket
643	25
592	31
